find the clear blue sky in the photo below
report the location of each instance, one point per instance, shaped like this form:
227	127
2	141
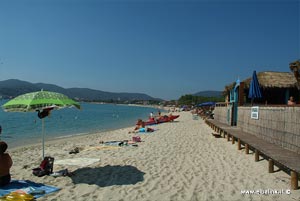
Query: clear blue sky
162	48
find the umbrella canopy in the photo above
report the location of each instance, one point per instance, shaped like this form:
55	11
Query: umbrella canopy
207	104
41	100
254	90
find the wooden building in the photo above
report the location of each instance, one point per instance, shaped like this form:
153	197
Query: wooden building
276	88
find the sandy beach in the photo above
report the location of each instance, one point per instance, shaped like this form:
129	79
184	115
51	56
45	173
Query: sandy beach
180	161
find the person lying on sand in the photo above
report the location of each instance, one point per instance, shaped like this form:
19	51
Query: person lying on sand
120	143
140	127
142	130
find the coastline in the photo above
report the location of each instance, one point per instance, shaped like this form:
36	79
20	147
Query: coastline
65	138
17	137
180	160
83	135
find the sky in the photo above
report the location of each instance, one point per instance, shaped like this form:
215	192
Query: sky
162	48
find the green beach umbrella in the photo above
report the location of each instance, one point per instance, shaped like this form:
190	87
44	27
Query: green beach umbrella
39	101
30	102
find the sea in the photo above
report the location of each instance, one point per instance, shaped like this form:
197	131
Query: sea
22	128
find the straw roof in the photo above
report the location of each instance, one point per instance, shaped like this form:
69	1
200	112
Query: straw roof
269	79
295	65
295	68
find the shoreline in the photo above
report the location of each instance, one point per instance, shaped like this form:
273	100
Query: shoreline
65	134
74	135
65	138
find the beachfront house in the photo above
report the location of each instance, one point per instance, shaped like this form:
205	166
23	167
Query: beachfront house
276	88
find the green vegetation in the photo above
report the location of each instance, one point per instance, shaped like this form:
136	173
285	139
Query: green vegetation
194	100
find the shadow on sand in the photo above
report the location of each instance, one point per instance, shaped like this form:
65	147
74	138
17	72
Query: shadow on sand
108	175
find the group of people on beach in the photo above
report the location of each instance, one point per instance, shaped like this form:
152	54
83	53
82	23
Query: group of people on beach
141	125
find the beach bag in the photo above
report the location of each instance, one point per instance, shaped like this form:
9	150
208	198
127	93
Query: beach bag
136	139
46	167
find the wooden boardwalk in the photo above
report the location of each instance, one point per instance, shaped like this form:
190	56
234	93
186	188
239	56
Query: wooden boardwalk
272	152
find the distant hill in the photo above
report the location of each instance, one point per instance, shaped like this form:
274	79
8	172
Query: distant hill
209	94
13	87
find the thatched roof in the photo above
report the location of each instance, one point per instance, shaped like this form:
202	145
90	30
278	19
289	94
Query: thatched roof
273	79
270	79
295	65
295	68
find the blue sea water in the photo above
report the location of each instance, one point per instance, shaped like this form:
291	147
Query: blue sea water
26	128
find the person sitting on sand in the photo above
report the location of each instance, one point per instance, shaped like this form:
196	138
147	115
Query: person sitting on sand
140	127
5	165
140	124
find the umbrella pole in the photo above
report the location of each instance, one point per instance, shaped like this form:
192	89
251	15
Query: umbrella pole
43	138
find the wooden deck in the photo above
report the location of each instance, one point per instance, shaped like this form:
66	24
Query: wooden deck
272	152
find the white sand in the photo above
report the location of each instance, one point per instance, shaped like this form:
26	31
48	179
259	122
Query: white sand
179	161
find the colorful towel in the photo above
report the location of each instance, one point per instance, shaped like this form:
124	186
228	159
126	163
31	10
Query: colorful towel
36	189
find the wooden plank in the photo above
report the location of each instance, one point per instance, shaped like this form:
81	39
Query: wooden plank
294	180
256	155
283	156
271	166
247	148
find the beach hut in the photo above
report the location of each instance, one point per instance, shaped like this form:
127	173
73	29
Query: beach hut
276	88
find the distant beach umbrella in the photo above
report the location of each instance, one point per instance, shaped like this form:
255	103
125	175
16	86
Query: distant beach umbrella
42	102
254	89
207	104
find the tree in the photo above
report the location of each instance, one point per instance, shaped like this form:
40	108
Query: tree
195	100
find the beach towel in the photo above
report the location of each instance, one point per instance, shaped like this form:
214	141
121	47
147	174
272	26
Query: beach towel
29	187
81	162
124	143
104	147
148	131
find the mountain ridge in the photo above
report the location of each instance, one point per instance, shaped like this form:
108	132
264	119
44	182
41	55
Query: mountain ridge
209	93
14	87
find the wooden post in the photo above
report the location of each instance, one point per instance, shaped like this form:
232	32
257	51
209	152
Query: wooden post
294	180
239	144
232	140
256	156
246	148
271	166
